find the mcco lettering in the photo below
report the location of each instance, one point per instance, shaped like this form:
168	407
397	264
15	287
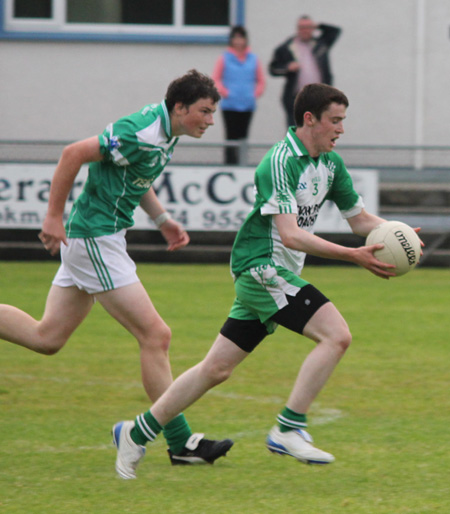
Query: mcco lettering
220	188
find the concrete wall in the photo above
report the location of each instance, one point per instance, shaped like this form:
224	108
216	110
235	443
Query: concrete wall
397	81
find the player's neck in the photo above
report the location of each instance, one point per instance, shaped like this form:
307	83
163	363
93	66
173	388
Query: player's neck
308	142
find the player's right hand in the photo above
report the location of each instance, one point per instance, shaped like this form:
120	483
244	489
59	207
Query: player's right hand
52	234
365	257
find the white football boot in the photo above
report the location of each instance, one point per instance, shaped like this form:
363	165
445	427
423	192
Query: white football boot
297	444
128	452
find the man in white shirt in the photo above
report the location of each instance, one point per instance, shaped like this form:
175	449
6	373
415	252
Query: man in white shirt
303	59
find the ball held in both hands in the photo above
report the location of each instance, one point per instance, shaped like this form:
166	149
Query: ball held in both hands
402	246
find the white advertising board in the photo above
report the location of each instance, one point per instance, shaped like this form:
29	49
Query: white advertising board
201	198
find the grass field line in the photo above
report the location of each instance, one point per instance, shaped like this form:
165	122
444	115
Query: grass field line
248	434
321	415
65	380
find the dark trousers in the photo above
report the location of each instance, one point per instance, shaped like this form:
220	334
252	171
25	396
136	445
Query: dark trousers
288	104
236	127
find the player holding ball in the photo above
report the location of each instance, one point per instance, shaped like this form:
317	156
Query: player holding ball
292	182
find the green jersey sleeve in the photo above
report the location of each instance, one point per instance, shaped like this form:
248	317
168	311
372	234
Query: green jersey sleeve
119	143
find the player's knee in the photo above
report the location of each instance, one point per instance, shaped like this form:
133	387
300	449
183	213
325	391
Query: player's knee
164	337
159	338
216	372
49	351
49	341
50	347
343	340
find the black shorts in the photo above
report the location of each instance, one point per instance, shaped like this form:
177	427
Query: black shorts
247	334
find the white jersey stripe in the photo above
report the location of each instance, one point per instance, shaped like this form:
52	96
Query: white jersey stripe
124	190
294	144
278	163
280	184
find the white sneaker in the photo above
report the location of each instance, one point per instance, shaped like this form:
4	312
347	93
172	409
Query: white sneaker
128	452
297	444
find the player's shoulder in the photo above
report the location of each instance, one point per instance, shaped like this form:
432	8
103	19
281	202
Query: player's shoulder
333	159
145	116
276	157
282	150
143	124
150	111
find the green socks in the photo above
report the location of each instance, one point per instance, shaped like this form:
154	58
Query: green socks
176	432
146	428
291	420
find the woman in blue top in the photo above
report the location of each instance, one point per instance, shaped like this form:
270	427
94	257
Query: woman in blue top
240	80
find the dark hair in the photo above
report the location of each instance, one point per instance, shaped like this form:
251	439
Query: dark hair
316	98
189	88
238	30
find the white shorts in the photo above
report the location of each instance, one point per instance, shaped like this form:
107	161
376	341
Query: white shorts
96	264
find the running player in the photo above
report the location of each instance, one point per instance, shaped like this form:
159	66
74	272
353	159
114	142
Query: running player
292	182
124	161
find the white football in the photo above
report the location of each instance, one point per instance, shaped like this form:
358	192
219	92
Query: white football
401	245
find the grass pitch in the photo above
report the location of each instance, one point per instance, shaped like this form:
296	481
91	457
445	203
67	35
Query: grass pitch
385	413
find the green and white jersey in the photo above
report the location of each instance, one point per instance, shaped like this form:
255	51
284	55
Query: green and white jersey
289	181
136	149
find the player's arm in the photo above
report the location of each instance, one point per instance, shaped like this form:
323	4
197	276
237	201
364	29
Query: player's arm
173	232
296	238
72	158
151	205
364	222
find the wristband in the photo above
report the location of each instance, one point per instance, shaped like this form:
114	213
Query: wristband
162	218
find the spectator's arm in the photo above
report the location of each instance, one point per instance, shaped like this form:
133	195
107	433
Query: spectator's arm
329	34
260	80
217	75
278	67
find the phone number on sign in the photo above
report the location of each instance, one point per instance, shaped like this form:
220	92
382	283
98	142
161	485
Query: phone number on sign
209	219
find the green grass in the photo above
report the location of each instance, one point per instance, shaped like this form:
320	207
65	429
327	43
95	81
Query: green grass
385	413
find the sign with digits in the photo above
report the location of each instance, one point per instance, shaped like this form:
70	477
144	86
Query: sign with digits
209	198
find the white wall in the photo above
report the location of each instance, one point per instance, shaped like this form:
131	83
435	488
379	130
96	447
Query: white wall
67	91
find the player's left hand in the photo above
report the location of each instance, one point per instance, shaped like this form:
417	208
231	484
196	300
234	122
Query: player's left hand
174	234
422	244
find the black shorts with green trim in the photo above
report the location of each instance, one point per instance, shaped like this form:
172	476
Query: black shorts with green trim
248	333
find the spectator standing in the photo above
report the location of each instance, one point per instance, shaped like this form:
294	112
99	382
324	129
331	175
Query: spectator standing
240	80
304	59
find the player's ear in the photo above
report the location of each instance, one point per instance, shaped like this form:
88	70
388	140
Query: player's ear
179	108
309	118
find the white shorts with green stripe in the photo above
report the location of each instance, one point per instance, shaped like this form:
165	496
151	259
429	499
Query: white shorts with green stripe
96	264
